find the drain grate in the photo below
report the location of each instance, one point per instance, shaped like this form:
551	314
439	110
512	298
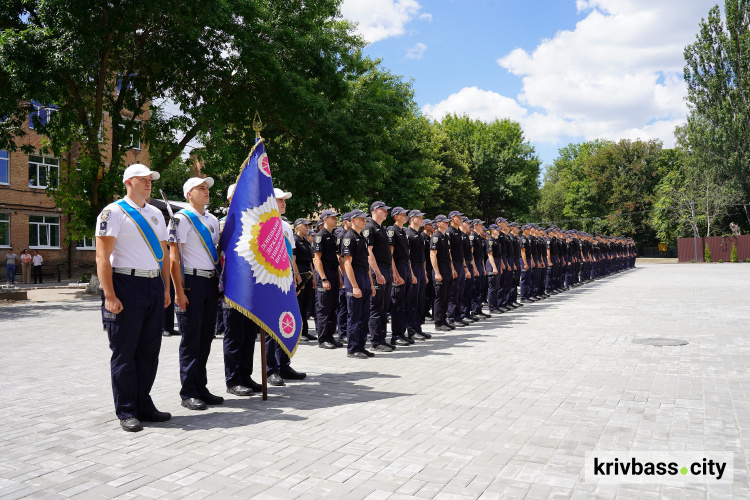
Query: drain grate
660	342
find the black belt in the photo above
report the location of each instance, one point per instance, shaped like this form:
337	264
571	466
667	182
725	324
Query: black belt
387	265
402	260
360	269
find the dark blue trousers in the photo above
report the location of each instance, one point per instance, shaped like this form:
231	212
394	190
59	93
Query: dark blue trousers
516	282
197	324
526	286
467	292
456	292
378	322
342	313
493	288
239	347
135	340
399	297
506	283
442	293
415	302
306	295
326	305
480	284
358	310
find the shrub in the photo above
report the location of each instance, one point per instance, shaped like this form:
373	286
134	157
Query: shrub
707	254
692	261
747	260
734	258
721	261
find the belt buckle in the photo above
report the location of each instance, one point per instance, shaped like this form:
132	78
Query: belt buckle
151	274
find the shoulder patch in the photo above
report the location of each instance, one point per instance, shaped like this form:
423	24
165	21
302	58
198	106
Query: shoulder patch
318	239
154	220
338	241
366	233
106	215
471	238
390	233
211	227
434	239
347	241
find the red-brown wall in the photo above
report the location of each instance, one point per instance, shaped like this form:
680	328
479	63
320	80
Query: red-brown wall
720	247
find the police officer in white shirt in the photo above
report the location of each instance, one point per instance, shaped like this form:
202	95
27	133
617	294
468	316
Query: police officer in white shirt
133	267
196	297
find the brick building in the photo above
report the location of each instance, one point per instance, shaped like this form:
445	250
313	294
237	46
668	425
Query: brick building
29	217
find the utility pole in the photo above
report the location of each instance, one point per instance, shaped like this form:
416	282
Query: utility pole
695	229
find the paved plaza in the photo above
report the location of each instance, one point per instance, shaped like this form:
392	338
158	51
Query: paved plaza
504	408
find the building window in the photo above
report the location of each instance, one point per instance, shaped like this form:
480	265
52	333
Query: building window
44	231
86	244
4	230
41	113
43	172
4	167
133	141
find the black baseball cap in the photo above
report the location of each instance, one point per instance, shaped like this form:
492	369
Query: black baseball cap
377	205
301	221
328	213
454	213
398	211
441	218
415	213
357	213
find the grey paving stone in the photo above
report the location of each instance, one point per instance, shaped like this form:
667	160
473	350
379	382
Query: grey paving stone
507	407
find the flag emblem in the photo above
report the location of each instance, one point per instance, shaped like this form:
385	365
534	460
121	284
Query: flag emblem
287	324
263	165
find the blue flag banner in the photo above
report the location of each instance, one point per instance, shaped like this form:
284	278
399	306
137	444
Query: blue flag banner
258	276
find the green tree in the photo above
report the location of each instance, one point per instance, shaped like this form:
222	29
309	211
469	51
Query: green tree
717	73
504	166
201	68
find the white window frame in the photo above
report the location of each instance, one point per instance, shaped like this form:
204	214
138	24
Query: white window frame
37	110
7	165
3	221
48	225
86	244
132	144
46	166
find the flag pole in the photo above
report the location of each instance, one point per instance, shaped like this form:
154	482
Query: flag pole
258	126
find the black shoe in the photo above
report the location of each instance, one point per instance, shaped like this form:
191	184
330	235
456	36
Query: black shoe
400	341
193	404
443	328
485	314
392	346
275	379
327	345
343	340
255	386
382	348
418	336
166	333
211	399
451	327
493	311
290	373
131	424
368	353
156	416
425	335
240	390
517	304
428	315
337	343
357	355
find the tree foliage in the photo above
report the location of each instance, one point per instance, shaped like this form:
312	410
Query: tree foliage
717	73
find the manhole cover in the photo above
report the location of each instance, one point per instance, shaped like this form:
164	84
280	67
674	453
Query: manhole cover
660	342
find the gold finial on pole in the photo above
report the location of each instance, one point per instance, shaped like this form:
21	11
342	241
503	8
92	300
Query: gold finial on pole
257	125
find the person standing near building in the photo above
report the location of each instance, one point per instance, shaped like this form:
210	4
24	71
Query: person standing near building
26	266
196	290
36	266
10	266
133	268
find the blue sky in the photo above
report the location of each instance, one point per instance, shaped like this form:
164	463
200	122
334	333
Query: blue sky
567	70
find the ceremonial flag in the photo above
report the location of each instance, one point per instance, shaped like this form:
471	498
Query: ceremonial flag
258	277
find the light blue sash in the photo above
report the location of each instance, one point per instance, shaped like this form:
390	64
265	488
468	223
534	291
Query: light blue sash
204	234
149	236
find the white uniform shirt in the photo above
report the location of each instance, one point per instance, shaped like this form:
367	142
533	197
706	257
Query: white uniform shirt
37	260
289	235
194	254
131	250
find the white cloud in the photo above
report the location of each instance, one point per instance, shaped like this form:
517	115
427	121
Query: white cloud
618	74
379	19
478	104
416	52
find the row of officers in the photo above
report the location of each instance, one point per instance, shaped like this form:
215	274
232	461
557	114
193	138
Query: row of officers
446	269
354	274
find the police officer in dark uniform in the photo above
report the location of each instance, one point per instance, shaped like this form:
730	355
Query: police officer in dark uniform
443	273
415	299
527	264
429	294
341	311
494	268
456	237
133	268
328	281
359	286
381	263
473	275
516	244
479	252
506	274
402	276
303	256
